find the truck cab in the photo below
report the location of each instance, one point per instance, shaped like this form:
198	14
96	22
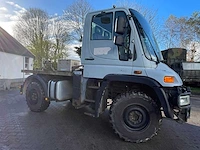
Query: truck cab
122	71
138	51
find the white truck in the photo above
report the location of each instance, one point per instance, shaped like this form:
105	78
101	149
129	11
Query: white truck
121	64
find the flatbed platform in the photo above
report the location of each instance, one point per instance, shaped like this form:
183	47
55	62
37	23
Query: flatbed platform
56	73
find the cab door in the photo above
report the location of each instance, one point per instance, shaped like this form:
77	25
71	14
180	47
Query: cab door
104	56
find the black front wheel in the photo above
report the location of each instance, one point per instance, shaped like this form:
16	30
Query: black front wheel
35	97
135	117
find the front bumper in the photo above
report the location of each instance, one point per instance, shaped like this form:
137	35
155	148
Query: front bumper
179	100
184	114
184	106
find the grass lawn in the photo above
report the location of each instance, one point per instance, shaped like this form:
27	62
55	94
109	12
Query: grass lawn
195	90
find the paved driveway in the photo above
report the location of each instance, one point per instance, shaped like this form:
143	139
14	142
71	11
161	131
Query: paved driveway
62	127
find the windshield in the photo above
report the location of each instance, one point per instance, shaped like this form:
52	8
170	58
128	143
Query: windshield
147	38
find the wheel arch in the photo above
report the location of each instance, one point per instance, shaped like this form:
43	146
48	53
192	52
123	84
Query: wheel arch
152	86
123	87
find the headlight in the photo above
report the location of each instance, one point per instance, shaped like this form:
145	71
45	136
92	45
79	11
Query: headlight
169	79
184	100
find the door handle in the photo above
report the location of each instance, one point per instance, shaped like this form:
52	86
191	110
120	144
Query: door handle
89	58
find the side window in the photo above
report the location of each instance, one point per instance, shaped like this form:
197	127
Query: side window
124	50
101	28
26	63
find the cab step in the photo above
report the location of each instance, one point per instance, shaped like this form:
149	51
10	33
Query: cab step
93	87
89	114
90	100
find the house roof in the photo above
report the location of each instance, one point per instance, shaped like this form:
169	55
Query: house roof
9	44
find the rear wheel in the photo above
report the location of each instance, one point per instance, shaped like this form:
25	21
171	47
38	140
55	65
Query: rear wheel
35	97
135	117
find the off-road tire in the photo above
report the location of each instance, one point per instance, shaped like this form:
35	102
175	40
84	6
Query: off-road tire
130	103
35	97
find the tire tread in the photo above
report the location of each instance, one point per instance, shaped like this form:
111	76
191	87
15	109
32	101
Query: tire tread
117	102
44	105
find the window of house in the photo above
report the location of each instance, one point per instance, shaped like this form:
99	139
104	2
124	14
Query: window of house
101	28
26	63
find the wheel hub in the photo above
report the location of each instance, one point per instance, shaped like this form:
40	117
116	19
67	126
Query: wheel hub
136	117
33	97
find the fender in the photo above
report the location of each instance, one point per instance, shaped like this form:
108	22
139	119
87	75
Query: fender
31	78
139	80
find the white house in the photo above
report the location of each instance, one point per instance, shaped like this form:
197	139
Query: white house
14	57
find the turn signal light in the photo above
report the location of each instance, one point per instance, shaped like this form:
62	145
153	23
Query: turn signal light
169	79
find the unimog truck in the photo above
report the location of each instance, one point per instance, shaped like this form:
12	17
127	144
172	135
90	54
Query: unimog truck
121	71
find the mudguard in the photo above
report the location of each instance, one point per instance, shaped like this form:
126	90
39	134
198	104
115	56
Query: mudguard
139	80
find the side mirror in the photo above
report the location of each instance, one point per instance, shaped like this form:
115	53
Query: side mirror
120	25
119	40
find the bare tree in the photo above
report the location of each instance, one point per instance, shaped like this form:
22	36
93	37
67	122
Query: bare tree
75	16
34	30
32	22
194	28
174	32
182	32
30	31
194	21
59	39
